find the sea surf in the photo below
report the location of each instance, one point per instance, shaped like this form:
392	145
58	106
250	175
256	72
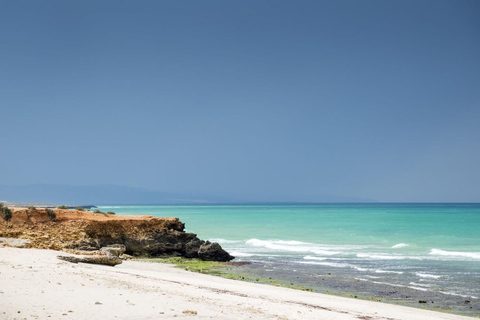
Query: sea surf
427	255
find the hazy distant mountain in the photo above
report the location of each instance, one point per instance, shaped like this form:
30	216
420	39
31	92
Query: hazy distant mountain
96	194
111	194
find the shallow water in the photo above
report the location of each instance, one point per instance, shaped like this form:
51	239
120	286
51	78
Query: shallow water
402	251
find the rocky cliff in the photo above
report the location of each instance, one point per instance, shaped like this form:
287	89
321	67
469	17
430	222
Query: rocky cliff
84	230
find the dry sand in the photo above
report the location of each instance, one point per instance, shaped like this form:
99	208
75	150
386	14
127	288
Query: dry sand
34	284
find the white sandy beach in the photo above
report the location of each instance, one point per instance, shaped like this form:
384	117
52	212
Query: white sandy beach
34	284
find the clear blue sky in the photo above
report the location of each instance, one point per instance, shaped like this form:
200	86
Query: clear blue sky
260	100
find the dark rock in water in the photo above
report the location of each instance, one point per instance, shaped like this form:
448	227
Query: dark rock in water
159	242
192	247
154	242
213	252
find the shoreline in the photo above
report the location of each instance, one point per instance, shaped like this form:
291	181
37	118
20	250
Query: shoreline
36	285
336	282
337	285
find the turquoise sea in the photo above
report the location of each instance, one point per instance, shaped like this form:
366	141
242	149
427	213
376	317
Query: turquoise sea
416	250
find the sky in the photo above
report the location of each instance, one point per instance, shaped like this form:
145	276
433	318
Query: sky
249	100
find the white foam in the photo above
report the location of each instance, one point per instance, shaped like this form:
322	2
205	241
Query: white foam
336	264
242	254
314	258
380	257
247	254
420	284
400	245
325	252
343	265
402	286
360	269
375	256
389	284
328	264
472	255
458	294
221	241
427	275
291	246
417	288
388	271
361	279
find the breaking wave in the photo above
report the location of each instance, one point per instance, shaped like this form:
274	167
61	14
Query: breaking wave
400	245
291	246
426	275
223	241
382	257
471	255
388	271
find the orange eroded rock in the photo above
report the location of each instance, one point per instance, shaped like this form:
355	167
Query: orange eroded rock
74	229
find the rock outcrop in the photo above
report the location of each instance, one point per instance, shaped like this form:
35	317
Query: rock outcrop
145	236
213	252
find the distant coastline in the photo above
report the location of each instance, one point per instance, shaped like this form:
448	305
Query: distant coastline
44	205
123	195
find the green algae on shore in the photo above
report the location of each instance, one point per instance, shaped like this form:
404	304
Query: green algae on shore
194	265
222	269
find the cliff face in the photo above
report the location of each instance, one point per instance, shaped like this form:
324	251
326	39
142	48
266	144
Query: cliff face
141	235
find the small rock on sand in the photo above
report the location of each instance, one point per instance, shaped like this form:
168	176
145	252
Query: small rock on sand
189	312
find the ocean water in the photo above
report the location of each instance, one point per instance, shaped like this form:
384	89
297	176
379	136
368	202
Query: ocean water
397	251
